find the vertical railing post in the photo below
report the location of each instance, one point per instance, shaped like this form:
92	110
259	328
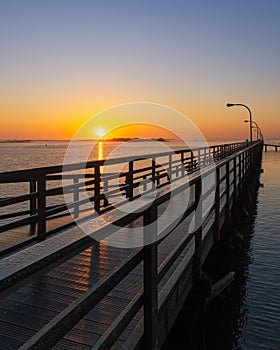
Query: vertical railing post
192	167
182	164
144	182
214	153
234	180
153	172
243	167
170	167
158	177
32	204
198	156
129	181
41	208
217	207
198	230
240	173
245	164
227	188
150	279
97	187
76	195
105	190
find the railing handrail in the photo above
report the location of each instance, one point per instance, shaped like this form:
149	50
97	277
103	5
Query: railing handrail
40	211
33	173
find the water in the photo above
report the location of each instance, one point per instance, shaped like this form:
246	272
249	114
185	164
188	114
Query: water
261	301
252	320
249	317
17	156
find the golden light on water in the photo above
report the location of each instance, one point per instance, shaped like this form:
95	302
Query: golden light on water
100	154
100	150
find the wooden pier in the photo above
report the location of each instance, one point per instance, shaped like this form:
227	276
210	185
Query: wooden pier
268	145
64	289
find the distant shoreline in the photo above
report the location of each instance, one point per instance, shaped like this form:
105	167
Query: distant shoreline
124	139
117	139
16	141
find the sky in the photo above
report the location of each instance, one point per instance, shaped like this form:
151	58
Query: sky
64	61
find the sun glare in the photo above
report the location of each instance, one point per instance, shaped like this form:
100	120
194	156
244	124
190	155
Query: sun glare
100	132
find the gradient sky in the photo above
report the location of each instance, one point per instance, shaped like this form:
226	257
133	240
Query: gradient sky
63	61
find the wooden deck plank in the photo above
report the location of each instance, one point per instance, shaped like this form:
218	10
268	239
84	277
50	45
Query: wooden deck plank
9	343
67	282
57	288
14	332
66	344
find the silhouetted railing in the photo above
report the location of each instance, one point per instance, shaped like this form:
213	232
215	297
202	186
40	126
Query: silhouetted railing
42	209
230	173
269	145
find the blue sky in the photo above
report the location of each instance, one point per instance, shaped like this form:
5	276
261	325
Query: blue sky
72	58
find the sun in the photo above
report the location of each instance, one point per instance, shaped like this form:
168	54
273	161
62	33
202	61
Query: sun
100	132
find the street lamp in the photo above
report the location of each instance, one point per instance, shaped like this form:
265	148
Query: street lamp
259	132
250	114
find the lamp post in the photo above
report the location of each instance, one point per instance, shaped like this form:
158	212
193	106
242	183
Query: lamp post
250	114
259	132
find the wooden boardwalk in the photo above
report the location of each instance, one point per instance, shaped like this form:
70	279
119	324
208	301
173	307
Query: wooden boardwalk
50	281
268	145
26	311
31	307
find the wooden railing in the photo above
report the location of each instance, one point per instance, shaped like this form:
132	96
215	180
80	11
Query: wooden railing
41	208
270	145
230	173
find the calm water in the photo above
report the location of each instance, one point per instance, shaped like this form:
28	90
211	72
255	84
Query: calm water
259	317
249	317
253	319
15	156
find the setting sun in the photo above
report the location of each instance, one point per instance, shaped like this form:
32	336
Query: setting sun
100	132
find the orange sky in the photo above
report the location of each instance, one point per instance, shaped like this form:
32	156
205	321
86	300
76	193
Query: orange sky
62	122
62	64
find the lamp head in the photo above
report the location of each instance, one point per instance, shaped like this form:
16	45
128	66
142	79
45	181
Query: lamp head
230	104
